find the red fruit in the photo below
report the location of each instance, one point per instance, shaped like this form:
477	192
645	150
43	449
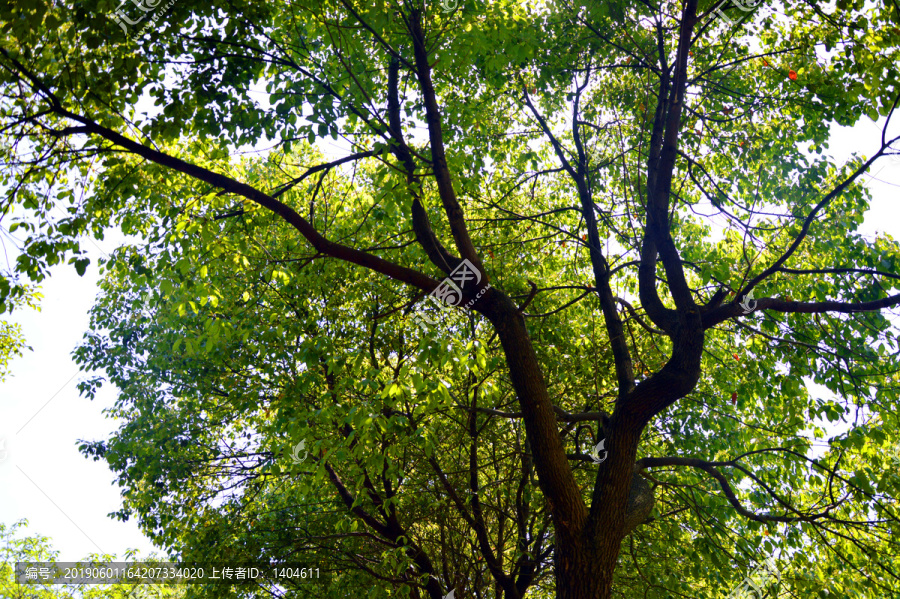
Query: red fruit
793	75
765	62
734	399
736	357
584	237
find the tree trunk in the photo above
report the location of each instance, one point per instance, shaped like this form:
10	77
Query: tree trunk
586	572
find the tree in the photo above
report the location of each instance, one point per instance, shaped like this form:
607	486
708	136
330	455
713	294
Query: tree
12	342
660	244
37	548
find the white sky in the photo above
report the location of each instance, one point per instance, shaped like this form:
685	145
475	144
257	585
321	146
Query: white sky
67	497
45	478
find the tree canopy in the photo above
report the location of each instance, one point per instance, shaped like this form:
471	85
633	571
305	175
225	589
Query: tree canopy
674	360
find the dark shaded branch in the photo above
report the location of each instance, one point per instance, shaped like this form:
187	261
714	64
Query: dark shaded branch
349	500
657	227
435	251
840	270
452	208
288	214
712	468
715	317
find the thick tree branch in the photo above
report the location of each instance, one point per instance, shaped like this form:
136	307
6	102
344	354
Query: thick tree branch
452	208
839	271
712	468
435	251
557	482
317	240
349	500
727	311
657	312
657	226
680	373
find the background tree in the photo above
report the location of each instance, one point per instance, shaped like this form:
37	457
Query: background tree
12	342
37	548
625	177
